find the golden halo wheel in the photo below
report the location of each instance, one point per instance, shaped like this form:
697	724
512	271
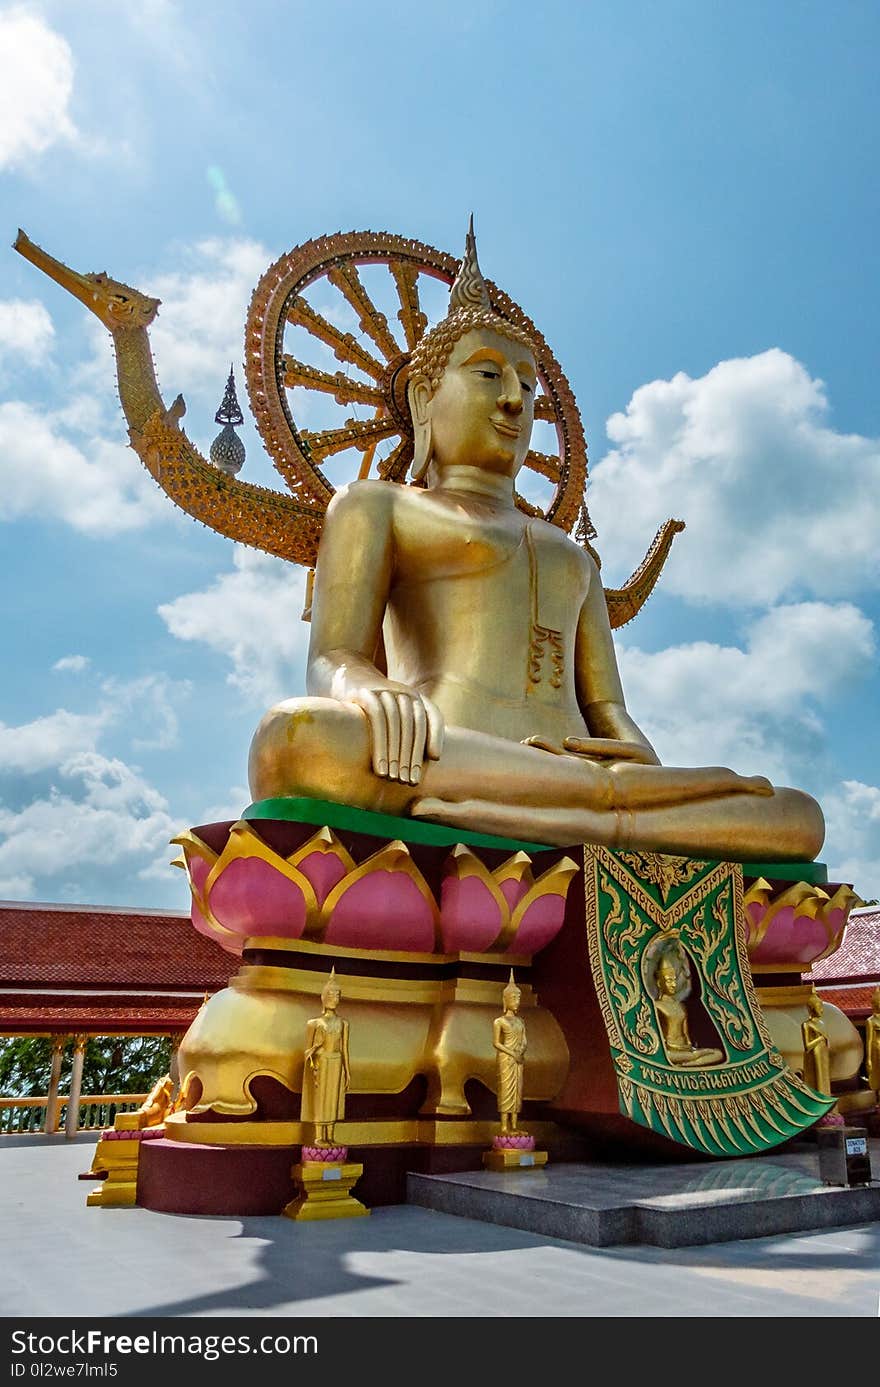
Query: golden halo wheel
312	308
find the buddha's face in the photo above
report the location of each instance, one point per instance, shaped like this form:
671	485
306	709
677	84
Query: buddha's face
512	998
482	410
330	996
667	978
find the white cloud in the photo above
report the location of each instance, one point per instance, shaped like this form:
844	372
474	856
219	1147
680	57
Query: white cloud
145	704
753	708
852	846
72	664
26	332
148	703
200	327
107	816
36	86
776	502
237	799
49	741
98	488
99	812
251	616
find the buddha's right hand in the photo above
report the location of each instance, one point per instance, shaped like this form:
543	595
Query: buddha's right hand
406	728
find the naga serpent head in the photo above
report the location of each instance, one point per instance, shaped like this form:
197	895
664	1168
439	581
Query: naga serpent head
117	305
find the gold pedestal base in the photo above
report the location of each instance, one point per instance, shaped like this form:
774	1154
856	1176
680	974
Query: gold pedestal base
326	1191
511	1159
119	1188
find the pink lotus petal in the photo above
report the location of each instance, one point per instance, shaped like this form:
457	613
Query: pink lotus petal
540	923
385	910
790	938
469	916
250	897
323	870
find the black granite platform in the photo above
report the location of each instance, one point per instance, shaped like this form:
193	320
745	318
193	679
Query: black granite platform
660	1205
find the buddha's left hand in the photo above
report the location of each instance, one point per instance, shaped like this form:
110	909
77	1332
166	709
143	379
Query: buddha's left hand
596	749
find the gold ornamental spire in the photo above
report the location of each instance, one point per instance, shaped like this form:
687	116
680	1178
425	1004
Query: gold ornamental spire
469	289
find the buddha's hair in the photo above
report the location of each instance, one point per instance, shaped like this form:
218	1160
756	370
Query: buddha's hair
432	353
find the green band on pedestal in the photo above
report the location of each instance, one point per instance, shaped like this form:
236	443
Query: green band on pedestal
347	818
351	820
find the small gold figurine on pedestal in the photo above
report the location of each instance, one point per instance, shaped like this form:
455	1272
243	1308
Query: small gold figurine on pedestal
158	1103
118	1151
872	1044
512	1148
817	1062
323	1173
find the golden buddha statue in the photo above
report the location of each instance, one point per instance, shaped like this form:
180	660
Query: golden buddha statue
872	1043
817	1063
672	982
326	1066
461	666
509	1040
158	1104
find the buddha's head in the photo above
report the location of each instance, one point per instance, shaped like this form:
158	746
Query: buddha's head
472	378
511	996
667	977
875	1001
815	1004
672	973
331	992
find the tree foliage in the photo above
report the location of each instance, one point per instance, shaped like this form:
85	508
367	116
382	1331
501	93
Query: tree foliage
112	1064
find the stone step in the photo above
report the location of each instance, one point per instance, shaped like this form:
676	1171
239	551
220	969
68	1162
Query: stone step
660	1205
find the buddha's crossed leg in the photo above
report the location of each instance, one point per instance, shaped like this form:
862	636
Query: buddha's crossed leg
320	749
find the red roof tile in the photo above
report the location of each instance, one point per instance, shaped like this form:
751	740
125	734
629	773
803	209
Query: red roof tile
97	946
858	956
97	1019
854	1001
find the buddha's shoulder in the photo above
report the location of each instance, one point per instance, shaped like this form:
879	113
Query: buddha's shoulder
372	497
550	536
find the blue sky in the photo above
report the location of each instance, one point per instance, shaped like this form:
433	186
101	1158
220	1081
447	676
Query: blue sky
684	199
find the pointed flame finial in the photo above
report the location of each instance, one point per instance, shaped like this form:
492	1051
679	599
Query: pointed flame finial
469	289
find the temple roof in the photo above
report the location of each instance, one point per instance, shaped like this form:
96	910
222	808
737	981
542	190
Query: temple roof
103	969
857	960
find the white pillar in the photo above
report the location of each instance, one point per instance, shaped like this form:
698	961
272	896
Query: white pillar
51	1123
72	1122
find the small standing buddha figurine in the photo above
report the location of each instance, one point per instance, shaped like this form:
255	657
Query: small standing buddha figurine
323	1176
512	1148
327	1071
872	1043
817	1064
672	980
509	1040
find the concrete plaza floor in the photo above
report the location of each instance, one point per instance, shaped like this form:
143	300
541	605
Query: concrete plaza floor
63	1259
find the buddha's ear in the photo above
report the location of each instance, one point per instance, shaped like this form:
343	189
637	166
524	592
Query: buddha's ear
418	394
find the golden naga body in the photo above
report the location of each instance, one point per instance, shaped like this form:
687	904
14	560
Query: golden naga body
461	665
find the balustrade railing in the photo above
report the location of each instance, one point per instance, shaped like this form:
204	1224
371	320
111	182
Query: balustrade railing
96	1111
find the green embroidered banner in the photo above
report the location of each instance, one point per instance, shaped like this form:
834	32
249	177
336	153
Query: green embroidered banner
667	947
